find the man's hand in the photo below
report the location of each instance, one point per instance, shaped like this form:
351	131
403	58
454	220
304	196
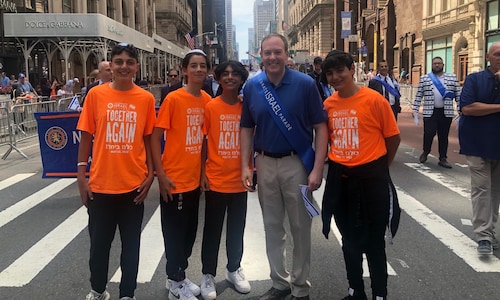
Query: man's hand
247	179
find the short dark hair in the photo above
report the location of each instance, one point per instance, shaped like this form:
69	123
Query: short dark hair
124	47
336	59
317	60
237	67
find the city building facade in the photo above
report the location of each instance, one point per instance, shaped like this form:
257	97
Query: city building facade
68	38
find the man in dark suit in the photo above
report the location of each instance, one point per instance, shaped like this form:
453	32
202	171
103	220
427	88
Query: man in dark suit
387	86
104	76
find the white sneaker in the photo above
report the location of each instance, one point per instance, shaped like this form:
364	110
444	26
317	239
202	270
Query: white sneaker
180	291
208	291
195	289
237	278
128	298
93	295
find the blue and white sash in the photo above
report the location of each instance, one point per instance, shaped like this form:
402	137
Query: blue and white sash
437	83
286	123
388	87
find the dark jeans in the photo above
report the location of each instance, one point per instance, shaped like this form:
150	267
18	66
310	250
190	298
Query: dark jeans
179	231
106	212
440	124
215	210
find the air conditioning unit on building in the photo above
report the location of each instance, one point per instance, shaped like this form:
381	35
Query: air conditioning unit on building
382	3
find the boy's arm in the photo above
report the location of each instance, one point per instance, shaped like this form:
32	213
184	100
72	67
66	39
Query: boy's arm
83	158
392	144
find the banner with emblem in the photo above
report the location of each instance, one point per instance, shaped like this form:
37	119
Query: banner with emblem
59	141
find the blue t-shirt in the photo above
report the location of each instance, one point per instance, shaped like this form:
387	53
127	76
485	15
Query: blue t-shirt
297	92
479	135
5	82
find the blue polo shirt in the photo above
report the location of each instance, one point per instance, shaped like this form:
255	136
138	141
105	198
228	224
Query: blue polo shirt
297	92
479	136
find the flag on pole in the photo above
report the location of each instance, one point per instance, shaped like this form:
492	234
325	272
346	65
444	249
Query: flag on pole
190	39
208	41
74	104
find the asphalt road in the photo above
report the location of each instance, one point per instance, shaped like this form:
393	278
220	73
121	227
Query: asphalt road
44	240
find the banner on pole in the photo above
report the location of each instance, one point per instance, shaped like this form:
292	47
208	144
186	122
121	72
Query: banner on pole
346	24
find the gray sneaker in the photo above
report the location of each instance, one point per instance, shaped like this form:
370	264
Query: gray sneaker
93	295
484	247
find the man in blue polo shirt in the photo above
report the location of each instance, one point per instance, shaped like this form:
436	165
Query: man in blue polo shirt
480	142
283	108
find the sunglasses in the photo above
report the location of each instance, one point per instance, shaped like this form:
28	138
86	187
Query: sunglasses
173	75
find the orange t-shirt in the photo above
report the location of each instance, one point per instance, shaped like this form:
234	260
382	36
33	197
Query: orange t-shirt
118	120
358	126
181	115
222	127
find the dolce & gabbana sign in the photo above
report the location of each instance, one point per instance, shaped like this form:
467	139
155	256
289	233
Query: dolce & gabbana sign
53	24
8	6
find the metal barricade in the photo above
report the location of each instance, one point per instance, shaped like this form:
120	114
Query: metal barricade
156	91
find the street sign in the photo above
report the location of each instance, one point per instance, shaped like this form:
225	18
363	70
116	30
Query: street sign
353	38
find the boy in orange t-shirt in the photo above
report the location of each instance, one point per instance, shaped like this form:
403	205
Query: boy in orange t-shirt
364	138
179	169
221	181
119	118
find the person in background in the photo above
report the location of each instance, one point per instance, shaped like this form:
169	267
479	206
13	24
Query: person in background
104	75
45	89
178	170
359	193
479	140
5	81
436	91
387	86
285	161
174	82
24	86
221	181
118	202
290	63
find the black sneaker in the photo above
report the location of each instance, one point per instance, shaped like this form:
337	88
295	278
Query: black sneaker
444	163
484	247
422	158
275	294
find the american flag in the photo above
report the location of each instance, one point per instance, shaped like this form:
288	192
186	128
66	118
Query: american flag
190	40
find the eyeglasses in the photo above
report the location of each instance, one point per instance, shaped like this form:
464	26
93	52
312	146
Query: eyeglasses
173	75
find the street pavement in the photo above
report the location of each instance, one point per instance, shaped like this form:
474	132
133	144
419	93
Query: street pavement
44	240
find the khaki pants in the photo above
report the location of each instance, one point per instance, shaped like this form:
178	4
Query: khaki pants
278	182
485	195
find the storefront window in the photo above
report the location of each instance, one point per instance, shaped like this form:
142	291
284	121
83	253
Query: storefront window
69	6
492	15
91	6
439	47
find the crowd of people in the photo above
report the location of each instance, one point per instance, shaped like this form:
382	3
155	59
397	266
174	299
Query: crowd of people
220	134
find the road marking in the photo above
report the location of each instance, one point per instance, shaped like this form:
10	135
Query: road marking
33	200
26	267
440	178
14	179
456	241
466	222
151	251
254	261
318	195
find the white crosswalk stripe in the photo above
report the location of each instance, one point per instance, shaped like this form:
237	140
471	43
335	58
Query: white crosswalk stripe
22	270
26	267
318	195
14	179
33	200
